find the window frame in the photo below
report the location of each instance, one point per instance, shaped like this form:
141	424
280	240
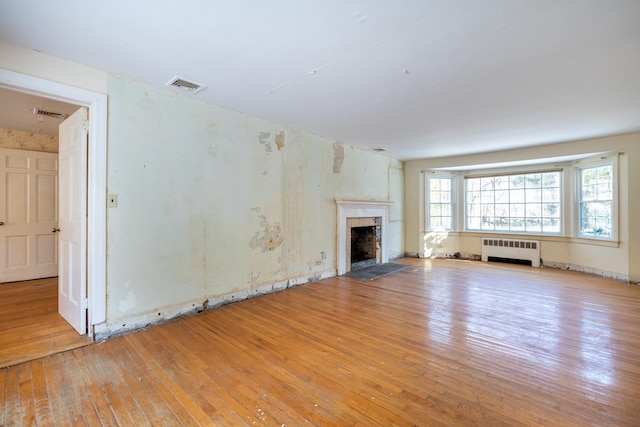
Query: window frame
592	163
535	169
453	202
570	182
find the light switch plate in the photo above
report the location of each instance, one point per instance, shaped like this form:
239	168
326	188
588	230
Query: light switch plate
112	200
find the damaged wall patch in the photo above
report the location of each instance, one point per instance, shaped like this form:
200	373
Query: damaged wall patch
263	139
280	140
268	238
338	156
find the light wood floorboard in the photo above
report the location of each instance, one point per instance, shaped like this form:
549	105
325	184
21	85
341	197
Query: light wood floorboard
438	343
30	326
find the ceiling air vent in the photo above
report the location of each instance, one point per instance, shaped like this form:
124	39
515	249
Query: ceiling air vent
185	85
39	112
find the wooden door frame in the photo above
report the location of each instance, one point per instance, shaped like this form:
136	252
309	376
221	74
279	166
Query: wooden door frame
97	178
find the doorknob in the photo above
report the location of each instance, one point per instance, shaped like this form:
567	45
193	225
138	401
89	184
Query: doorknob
55	229
1	223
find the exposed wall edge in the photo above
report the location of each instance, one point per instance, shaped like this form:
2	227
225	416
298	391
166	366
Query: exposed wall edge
592	271
556	265
108	330
455	255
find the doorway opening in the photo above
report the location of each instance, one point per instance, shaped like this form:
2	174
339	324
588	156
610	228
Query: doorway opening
94	263
29	185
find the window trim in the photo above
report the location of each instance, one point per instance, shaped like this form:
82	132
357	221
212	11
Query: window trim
594	162
569	198
454	205
520	171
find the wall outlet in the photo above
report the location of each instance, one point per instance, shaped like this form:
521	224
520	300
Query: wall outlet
112	200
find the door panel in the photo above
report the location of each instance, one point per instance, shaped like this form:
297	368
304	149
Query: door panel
28	209
72	282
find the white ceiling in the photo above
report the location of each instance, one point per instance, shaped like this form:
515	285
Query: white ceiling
421	78
16	112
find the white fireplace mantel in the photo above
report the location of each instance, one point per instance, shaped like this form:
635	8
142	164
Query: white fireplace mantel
360	209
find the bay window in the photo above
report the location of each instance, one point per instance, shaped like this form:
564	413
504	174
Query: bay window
523	203
577	198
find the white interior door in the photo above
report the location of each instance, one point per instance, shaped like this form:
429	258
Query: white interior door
72	234
28	213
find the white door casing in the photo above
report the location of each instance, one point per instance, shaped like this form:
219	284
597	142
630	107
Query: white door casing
28	211
72	236
97	178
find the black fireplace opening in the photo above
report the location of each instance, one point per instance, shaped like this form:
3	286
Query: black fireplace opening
364	246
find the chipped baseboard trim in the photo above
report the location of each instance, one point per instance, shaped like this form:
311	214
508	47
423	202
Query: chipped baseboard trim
455	255
590	270
634	280
412	255
123	326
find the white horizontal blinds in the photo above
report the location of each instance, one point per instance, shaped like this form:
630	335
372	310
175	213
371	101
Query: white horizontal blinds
596	201
523	203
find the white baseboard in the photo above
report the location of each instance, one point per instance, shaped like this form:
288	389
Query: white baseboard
107	330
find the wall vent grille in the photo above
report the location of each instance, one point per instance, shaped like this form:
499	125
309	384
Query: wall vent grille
55	115
186	85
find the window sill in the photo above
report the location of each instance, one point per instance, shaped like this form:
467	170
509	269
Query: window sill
595	241
541	237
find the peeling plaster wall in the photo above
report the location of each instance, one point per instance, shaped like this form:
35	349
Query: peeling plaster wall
213	205
19	140
622	260
213	202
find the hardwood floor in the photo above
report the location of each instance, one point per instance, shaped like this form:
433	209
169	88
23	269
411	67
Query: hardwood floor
439	343
30	326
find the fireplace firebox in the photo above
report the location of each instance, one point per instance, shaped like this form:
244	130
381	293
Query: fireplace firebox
365	245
